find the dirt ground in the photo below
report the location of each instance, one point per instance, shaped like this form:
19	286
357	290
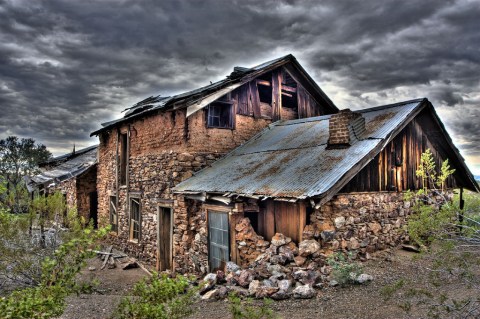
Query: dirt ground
359	301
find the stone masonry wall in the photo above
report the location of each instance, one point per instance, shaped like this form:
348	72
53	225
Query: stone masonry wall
69	187
165	149
361	222
86	183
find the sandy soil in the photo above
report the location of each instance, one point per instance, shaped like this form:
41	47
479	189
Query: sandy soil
359	301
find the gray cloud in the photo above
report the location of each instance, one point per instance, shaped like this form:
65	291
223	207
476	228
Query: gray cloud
66	66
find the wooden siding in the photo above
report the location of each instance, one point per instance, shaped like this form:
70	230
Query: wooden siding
394	168
247	99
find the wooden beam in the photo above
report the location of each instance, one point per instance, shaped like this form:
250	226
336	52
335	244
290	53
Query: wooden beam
264	82
288	88
287	94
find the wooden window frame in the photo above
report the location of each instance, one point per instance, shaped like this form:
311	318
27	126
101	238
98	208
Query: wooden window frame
220	106
132	220
123	158
113	204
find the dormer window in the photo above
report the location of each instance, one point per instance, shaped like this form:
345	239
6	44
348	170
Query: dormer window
220	114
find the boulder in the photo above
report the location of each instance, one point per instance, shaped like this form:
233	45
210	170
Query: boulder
308	247
327	235
303	292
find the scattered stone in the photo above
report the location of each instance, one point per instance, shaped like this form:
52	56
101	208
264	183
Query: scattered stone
327	235
284	284
339	222
210	295
333	283
222	292
265	292
280	239
411	248
232	267
280	295
92	268
303	292
363	278
245	278
239	291
252	288
308	247
299	261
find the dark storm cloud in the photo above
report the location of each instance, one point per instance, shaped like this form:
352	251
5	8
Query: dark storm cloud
66	66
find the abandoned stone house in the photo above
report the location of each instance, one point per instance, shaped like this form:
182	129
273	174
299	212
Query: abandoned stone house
74	175
177	175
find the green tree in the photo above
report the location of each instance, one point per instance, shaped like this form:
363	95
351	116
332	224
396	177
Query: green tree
18	158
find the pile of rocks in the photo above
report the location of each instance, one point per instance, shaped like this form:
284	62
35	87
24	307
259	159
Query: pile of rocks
282	271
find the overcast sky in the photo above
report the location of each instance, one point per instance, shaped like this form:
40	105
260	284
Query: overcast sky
66	66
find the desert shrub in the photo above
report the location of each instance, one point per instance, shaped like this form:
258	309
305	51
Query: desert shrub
247	309
47	299
344	269
158	297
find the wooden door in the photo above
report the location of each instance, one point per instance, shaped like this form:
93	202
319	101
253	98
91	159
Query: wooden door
164	238
290	219
219	240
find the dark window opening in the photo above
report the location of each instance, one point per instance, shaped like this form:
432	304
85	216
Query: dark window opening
310	218
135	219
123	159
265	92
289	92
253	216
113	213
220	115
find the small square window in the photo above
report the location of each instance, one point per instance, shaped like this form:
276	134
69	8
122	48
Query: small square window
220	115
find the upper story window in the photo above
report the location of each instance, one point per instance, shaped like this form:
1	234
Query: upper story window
220	114
123	158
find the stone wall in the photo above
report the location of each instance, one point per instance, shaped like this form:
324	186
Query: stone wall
69	188
361	222
86	184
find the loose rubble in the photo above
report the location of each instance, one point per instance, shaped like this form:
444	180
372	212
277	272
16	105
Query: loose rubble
278	269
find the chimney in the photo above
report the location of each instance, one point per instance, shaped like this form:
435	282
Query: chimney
345	127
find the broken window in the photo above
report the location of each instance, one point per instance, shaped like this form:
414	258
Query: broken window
123	159
220	114
289	98
135	219
113	213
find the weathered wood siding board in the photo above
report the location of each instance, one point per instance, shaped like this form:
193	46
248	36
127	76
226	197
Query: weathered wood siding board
394	168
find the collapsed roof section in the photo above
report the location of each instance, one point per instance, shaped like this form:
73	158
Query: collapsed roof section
61	168
293	160
197	99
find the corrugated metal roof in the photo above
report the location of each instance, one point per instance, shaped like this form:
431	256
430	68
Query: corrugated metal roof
75	165
290	159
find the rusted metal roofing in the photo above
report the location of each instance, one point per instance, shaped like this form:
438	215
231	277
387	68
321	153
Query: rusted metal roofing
199	98
290	159
64	167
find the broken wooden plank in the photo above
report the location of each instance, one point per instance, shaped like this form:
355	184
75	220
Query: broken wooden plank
264	82
109	250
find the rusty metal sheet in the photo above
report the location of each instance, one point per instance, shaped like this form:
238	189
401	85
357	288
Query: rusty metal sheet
290	159
68	166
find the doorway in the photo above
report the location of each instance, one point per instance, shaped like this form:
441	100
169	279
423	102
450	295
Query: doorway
94	208
164	238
